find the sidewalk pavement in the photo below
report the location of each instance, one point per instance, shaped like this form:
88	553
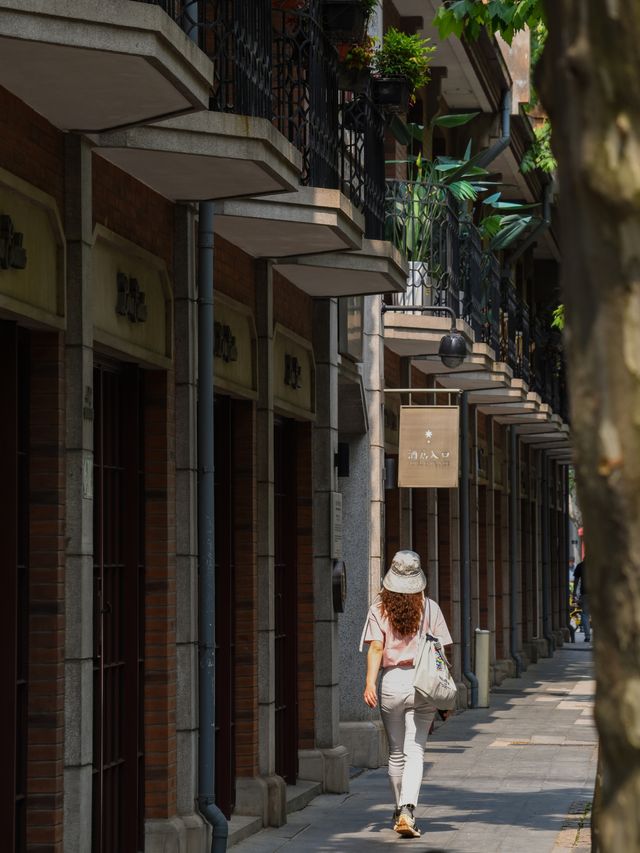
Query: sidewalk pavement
517	777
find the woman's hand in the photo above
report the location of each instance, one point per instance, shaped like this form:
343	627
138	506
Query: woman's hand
374	659
371	695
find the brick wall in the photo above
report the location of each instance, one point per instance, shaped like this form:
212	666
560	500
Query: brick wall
132	210
160	596
482	557
246	590
391	369
292	307
306	675
235	273
30	147
45	752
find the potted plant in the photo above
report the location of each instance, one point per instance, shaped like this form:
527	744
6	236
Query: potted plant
354	71
346	20
401	66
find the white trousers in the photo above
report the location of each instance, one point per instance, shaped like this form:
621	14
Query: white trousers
407	718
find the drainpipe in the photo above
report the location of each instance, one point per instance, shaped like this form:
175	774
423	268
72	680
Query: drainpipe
206	518
513	548
465	521
546	566
505	133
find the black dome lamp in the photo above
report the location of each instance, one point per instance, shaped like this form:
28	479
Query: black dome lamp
452	349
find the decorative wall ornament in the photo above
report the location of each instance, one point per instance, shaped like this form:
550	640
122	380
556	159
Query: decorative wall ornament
224	346
131	300
292	372
12	253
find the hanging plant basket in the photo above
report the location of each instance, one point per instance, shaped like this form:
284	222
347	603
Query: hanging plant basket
354	79
344	20
391	93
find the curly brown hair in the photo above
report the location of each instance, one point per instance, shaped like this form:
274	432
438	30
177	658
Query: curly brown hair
404	611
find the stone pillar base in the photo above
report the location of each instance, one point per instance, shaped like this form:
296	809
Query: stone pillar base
503	668
184	834
559	637
262	796
330	767
366	742
463	695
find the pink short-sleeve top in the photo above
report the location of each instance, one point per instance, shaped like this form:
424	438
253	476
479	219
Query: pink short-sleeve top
398	650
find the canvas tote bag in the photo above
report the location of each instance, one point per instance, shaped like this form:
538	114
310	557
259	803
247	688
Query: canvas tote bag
432	677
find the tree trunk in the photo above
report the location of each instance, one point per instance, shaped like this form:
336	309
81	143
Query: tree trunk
590	86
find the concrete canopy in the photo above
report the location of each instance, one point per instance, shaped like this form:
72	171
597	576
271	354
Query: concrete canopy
87	65
206	156
412	333
306	222
376	268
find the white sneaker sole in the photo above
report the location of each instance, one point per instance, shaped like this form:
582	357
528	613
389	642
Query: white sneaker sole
406	830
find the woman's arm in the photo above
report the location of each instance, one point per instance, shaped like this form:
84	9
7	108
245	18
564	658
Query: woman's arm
374	659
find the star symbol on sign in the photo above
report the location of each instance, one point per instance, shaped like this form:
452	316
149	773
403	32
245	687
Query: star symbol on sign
428	435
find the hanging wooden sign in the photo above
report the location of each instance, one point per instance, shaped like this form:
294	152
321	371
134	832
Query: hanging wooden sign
429	437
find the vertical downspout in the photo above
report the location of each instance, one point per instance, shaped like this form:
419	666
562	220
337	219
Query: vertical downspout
513	548
206	518
465	520
546	559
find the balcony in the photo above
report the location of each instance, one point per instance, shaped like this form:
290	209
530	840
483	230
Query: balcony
91	66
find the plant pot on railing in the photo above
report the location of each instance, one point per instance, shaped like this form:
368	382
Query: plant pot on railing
344	20
353	79
391	93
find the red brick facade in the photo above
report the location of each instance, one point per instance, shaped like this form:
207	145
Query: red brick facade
45	751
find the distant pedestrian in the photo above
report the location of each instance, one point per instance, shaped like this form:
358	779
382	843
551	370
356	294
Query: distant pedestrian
580	595
392	630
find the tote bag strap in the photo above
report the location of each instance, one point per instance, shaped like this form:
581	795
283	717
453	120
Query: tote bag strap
423	625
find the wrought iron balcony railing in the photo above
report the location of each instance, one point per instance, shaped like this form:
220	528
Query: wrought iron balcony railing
508	310
236	36
421	220
480	275
522	366
362	177
272	59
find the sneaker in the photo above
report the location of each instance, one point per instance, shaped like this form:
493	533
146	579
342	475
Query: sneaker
396	816
406	825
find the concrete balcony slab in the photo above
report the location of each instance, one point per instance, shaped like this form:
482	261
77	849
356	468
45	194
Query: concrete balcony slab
376	268
87	65
206	156
411	333
496	380
306	222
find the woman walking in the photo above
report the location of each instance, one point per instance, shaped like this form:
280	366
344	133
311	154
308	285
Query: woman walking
392	629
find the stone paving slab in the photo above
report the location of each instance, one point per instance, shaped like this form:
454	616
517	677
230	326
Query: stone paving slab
514	777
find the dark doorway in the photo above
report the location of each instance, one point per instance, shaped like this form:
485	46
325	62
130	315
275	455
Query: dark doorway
225	607
118	771
14	562
286	594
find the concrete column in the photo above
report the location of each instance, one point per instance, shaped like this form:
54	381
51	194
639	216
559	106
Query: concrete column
78	753
274	788
432	566
475	521
490	520
363	506
186	349
455	626
331	766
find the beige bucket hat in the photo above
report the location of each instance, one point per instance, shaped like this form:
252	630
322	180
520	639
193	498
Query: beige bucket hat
405	574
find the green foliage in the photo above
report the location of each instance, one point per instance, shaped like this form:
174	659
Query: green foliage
369	6
558	318
469	17
404	55
421	202
360	55
540	155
